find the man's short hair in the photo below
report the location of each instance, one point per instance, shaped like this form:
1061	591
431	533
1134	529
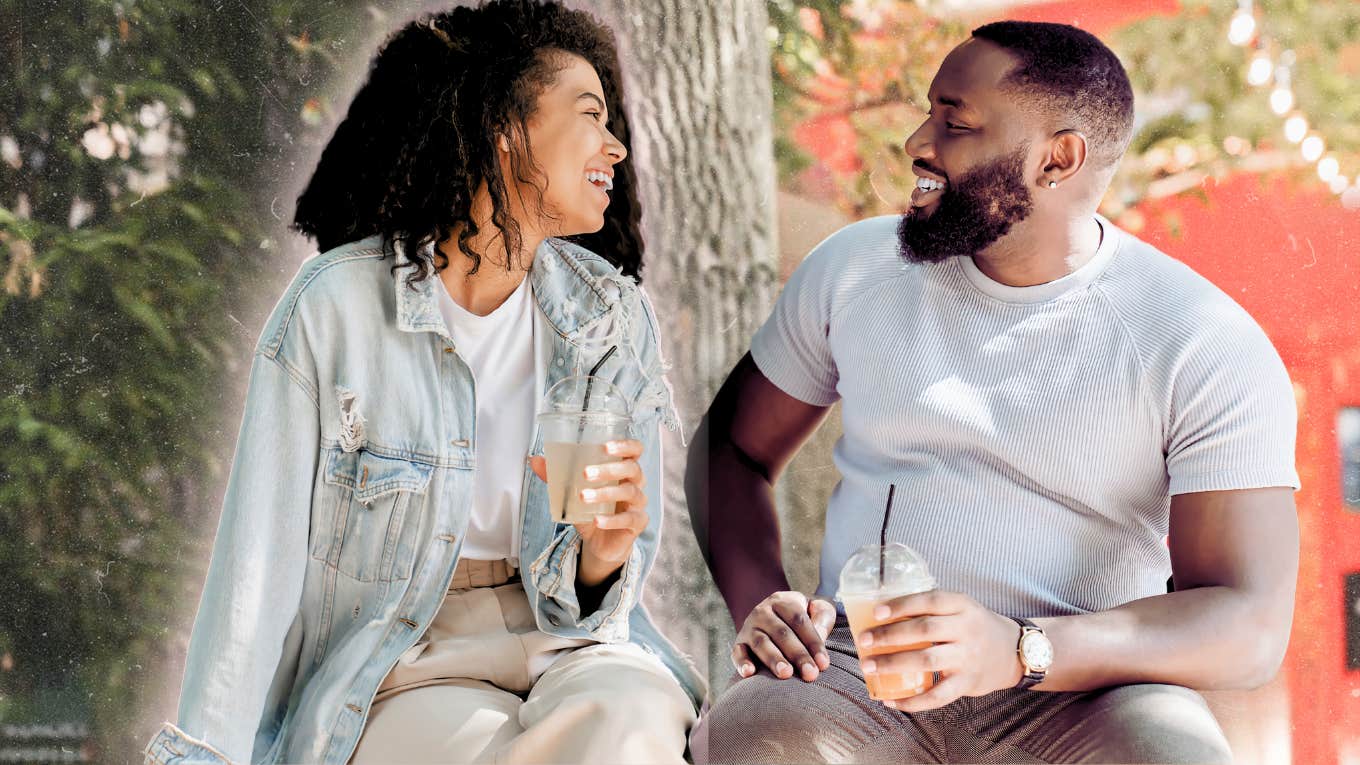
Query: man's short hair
1071	76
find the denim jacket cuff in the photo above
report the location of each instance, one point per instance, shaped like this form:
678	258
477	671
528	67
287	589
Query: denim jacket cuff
556	581
172	746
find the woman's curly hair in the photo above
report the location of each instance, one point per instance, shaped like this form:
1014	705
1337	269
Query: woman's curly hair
420	135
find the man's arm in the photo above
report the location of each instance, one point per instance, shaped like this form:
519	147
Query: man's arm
749	435
1235	559
1234	556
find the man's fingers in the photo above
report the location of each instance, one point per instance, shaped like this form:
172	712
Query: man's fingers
936	658
938	602
769	654
808	642
944	692
911	633
741	660
823	615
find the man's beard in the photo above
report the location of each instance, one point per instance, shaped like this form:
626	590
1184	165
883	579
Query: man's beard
971	214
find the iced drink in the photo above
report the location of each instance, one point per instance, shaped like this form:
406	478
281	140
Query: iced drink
862	589
580	415
566	479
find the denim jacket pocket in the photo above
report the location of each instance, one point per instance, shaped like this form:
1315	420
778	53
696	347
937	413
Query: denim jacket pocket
365	500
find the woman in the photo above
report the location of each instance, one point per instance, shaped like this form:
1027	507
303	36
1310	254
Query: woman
386	583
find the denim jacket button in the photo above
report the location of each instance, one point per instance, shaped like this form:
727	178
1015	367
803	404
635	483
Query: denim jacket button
561	362
553	621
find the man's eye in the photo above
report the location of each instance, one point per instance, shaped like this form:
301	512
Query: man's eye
953	126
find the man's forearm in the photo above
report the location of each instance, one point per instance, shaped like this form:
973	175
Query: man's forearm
1205	638
731	505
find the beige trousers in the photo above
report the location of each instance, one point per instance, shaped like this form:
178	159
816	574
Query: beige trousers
483	684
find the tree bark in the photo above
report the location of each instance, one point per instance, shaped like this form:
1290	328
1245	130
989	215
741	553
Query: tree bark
697	86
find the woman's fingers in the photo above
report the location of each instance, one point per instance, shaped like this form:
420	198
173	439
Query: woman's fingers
628	493
624	470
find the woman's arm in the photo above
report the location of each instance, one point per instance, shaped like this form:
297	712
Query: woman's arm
254	583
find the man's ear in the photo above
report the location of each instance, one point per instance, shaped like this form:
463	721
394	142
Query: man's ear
1066	156
503	143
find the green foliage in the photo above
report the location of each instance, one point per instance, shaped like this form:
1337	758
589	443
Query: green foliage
137	140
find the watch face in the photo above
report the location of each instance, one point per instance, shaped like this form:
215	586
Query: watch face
1037	651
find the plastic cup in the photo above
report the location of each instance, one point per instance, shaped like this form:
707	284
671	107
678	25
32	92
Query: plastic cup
862	590
580	415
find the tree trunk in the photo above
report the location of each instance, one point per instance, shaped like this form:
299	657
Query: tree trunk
697	85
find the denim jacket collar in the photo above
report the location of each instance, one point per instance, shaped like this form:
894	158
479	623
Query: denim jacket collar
573	299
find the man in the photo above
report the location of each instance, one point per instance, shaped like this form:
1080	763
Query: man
1048	397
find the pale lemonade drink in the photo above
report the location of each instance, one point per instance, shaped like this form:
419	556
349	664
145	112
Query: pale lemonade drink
579	415
566	479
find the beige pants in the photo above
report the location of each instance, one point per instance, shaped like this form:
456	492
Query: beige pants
483	684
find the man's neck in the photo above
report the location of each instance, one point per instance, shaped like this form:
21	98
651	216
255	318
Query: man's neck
1038	251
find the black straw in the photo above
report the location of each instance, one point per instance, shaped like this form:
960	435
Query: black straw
883	533
590	379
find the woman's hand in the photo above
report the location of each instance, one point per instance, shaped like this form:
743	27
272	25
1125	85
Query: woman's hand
607	541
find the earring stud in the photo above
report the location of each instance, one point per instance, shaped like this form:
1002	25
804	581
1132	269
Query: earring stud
1053	184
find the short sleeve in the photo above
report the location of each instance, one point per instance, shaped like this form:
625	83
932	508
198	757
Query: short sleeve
1232	417
792	348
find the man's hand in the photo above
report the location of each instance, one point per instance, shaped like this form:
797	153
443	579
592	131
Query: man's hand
784	631
973	648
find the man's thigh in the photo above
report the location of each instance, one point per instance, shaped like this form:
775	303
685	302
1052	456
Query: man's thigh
762	719
1144	723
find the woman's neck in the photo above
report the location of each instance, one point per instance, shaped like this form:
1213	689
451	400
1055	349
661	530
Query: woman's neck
484	291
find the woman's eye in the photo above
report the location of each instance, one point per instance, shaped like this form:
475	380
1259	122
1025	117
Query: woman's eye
953	126
594	115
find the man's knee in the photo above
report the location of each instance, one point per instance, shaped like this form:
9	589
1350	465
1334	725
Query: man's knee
758	719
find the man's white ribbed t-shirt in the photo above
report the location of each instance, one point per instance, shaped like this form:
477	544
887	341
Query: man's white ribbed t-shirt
1035	434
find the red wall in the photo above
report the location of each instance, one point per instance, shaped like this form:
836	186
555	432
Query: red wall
1291	256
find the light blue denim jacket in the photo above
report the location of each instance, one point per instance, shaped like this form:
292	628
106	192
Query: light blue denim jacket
350	491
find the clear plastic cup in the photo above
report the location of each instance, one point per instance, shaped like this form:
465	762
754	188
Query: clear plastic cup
904	572
579	415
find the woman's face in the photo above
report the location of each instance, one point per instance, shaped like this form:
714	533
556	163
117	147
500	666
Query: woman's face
574	150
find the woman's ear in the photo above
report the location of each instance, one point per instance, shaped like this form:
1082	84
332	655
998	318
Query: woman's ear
502	143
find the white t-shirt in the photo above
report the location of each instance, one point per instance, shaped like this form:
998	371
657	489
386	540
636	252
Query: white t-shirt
499	349
1035	435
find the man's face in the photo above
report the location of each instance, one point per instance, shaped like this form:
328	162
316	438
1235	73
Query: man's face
972	158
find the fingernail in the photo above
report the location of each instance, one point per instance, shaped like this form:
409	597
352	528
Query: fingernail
746	670
882	612
809	669
890	703
781	668
823	659
592	473
613	447
866	639
588	495
600	521
869	665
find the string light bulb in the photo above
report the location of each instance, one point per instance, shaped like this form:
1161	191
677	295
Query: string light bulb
1242	28
1328	168
1313	147
1260	70
1281	100
1338	184
1296	128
